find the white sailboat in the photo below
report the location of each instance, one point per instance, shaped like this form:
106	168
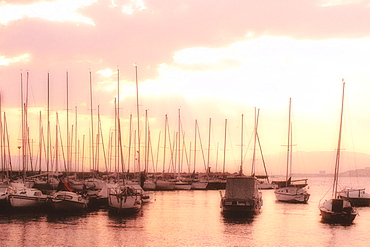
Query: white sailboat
23	196
125	198
336	209
65	200
293	191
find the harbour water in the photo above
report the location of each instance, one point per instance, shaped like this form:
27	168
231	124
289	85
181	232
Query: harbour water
192	218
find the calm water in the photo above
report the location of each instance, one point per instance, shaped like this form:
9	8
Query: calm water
192	218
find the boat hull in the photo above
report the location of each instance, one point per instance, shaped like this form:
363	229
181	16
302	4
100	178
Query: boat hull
358	202
68	202
292	195
199	185
19	201
357	197
243	206
337	211
333	217
125	199
129	204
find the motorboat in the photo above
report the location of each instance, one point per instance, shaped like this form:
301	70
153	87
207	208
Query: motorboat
241	195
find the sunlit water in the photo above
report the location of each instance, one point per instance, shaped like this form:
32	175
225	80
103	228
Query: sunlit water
191	218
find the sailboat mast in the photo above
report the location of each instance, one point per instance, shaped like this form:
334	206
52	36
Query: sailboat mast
117	119
209	144
224	164
48	132
256	116
164	144
241	148
138	117
92	165
288	146
336	170
68	136
22	119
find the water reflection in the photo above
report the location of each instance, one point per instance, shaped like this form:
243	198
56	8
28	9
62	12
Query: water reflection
118	220
237	218
20	217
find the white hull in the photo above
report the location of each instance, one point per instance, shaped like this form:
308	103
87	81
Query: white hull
129	203
292	194
68	201
17	201
125	199
199	185
24	197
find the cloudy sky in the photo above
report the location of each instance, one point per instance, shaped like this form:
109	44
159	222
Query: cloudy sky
210	60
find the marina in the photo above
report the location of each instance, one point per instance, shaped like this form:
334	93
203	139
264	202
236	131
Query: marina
166	123
191	218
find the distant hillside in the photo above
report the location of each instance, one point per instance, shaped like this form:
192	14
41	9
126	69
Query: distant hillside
317	162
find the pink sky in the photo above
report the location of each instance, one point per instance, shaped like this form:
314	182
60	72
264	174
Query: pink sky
211	59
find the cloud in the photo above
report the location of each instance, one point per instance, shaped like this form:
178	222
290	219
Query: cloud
64	10
155	31
4	61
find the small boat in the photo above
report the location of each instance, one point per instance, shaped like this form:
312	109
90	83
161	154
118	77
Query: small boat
24	197
124	199
66	200
199	185
241	195
292	194
357	196
336	209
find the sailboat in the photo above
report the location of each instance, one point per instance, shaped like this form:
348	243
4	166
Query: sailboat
66	200
241	194
125	197
23	196
336	209
293	191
